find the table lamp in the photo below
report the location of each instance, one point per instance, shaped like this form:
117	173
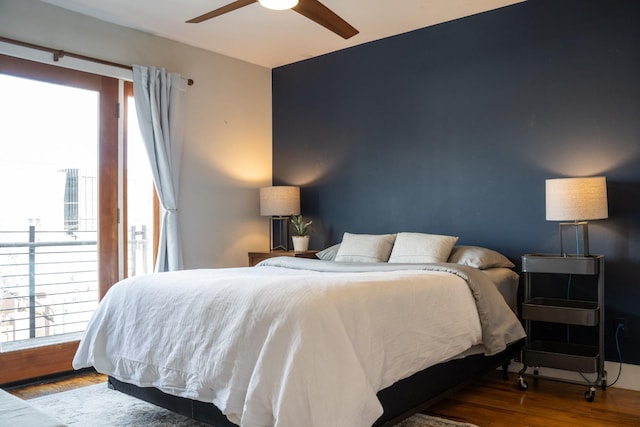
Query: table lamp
279	203
574	201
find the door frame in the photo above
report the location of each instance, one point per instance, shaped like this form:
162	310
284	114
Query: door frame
52	359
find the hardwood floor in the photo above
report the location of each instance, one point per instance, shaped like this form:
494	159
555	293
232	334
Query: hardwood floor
487	403
495	402
56	385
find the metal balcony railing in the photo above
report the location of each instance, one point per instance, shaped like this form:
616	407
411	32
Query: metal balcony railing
48	283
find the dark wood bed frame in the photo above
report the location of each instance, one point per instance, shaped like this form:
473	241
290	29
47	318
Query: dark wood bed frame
400	400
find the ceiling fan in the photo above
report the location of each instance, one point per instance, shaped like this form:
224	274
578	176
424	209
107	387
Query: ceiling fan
312	9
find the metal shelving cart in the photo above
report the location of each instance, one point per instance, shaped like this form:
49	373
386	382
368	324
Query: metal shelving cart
562	355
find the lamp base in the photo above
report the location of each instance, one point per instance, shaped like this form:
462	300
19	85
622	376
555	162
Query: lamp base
279	233
579	237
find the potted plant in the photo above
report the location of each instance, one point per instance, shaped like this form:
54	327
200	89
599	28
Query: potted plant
301	229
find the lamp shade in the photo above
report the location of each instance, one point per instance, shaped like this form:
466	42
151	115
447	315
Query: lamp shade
280	201
576	199
278	4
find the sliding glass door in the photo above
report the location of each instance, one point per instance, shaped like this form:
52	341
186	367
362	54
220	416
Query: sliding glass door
49	227
141	203
59	216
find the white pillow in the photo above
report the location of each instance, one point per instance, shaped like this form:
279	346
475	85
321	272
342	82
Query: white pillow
478	257
365	247
419	248
329	254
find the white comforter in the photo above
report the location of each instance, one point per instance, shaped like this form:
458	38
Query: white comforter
272	346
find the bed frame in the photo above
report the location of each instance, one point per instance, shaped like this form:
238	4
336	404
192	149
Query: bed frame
400	400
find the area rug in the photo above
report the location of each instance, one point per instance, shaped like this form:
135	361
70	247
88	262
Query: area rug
99	406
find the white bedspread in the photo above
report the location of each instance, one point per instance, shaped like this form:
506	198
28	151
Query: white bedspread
272	346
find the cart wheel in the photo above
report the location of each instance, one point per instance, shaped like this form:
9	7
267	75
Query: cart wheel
590	394
535	372
522	384
604	384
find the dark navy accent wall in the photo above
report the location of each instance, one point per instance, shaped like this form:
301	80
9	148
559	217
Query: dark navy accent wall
453	129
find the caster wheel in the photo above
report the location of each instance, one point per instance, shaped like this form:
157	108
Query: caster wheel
604	384
590	394
535	372
522	384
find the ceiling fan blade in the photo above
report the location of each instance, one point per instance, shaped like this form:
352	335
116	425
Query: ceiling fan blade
322	15
221	10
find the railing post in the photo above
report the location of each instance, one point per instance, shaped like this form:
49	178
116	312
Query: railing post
133	249
144	249
32	281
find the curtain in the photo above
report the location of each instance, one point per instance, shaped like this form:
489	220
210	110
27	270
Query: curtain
160	103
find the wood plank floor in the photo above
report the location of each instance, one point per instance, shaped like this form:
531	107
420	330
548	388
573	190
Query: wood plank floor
496	402
487	403
56	385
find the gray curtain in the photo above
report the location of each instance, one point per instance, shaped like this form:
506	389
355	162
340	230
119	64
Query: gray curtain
160	104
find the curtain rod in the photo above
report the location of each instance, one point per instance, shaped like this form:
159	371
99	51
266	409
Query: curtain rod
58	54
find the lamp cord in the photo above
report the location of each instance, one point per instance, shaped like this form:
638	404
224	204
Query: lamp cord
619	354
618	328
619	359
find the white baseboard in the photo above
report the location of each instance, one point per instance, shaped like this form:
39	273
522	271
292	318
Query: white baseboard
629	378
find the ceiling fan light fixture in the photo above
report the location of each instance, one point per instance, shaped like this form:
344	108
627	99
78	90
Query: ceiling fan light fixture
278	4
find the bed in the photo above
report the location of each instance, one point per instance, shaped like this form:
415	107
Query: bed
295	341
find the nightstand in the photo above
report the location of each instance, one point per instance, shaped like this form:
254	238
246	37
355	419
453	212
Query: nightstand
256	257
565	355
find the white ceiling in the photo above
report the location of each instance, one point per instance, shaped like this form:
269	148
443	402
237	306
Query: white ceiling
274	38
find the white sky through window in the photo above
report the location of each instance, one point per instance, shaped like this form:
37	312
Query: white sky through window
44	129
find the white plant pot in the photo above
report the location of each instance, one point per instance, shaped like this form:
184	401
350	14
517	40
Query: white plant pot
300	243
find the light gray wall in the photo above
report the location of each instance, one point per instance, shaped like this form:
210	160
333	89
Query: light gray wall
227	149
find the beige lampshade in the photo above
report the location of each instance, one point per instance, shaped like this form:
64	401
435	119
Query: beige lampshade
576	199
280	201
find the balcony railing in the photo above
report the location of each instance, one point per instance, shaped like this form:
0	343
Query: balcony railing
48	284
